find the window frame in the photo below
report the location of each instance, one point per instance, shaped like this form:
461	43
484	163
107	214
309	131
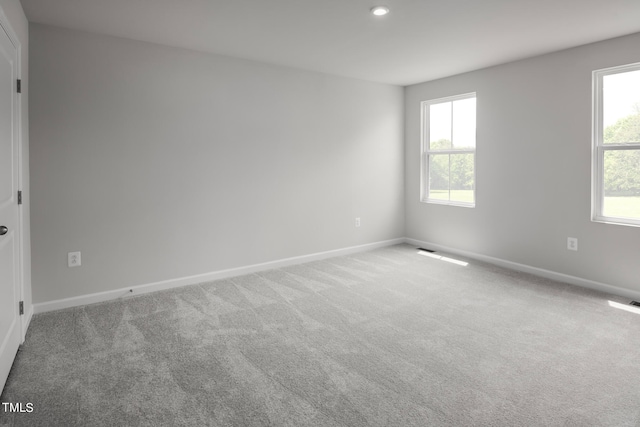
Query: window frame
600	148
426	151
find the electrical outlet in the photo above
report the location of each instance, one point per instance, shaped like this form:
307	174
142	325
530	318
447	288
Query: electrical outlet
74	259
358	222
572	243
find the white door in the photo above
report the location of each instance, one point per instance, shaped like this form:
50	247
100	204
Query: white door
9	241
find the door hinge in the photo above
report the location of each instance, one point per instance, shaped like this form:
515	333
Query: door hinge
19	197
19	86
21	308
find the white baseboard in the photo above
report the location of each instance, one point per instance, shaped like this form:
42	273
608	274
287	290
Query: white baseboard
206	277
26	321
560	277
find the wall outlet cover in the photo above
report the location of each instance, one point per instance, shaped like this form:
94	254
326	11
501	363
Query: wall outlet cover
74	259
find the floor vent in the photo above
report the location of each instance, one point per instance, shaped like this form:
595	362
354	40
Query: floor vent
426	250
636	303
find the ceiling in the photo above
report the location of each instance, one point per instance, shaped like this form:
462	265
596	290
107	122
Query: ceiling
418	40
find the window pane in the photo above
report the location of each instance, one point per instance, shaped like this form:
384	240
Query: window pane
621	107
464	123
461	178
440	126
450	143
439	176
622	183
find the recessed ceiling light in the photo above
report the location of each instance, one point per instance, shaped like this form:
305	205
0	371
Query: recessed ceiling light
380	10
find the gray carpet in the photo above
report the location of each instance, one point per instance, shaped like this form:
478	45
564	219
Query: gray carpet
381	338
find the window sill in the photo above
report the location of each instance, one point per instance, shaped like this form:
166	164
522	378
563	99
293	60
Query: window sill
616	221
448	203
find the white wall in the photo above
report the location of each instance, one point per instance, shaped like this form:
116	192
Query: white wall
18	22
159	163
533	167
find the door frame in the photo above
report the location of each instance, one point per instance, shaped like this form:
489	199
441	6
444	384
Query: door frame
8	29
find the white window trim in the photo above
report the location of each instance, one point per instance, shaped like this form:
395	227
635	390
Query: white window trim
599	148
425	151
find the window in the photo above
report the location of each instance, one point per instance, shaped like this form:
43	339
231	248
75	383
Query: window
616	141
449	150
